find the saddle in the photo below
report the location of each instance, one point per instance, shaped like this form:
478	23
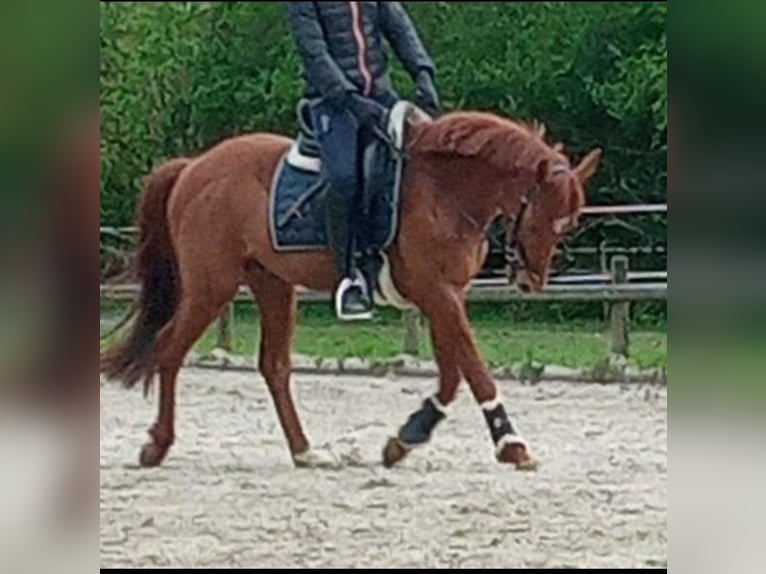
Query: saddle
297	219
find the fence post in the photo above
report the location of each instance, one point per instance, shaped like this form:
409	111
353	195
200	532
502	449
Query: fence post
411	332
604	260
620	310
225	327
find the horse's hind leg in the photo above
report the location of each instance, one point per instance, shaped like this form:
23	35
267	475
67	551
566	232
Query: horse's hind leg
194	314
277	302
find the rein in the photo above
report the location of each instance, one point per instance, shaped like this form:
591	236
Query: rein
398	154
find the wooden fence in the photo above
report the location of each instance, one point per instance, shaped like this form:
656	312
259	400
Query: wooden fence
615	285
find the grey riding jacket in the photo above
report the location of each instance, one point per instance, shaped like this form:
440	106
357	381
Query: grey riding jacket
341	45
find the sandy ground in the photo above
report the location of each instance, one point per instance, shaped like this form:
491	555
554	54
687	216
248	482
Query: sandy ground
228	494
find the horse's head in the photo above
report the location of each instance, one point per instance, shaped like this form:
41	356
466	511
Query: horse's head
516	174
546	213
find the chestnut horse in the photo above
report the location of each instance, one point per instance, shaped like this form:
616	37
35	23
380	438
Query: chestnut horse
204	232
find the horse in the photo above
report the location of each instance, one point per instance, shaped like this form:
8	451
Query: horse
203	233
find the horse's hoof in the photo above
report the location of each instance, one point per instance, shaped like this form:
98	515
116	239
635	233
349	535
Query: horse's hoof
317	458
152	455
529	465
393	452
516	453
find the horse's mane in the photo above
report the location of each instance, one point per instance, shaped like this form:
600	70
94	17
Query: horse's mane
503	143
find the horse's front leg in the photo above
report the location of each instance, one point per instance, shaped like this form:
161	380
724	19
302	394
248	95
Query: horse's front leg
510	447
456	353
419	426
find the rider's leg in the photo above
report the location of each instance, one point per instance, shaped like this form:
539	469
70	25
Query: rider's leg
370	258
338	135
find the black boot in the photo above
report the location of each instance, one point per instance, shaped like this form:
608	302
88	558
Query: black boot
352	299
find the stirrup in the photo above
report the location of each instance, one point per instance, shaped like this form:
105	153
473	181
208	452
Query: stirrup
361	281
344	286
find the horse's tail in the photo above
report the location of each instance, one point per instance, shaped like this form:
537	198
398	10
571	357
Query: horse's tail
156	268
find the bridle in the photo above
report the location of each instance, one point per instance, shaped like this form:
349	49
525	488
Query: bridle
514	252
515	255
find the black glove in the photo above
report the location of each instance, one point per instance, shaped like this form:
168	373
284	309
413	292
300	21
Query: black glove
426	96
368	112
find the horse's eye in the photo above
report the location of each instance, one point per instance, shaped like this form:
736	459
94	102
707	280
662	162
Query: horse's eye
562	225
565	224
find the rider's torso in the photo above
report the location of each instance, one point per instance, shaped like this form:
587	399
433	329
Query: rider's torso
355	41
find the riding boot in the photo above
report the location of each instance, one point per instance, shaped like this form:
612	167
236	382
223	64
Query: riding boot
352	299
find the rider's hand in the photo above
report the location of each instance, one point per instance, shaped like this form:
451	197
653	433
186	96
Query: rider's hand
426	96
368	112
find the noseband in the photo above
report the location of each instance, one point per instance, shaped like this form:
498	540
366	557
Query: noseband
515	255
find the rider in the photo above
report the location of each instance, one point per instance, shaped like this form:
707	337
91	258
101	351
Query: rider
346	73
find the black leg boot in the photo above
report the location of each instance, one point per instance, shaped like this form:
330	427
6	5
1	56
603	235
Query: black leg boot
352	299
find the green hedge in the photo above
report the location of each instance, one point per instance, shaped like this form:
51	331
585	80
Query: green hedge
178	77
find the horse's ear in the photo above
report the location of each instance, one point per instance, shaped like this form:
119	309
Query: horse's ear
588	166
538	128
417	131
417	116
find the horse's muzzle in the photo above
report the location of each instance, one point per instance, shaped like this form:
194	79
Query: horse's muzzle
528	282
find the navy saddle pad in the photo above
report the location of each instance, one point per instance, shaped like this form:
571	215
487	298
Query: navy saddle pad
296	211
